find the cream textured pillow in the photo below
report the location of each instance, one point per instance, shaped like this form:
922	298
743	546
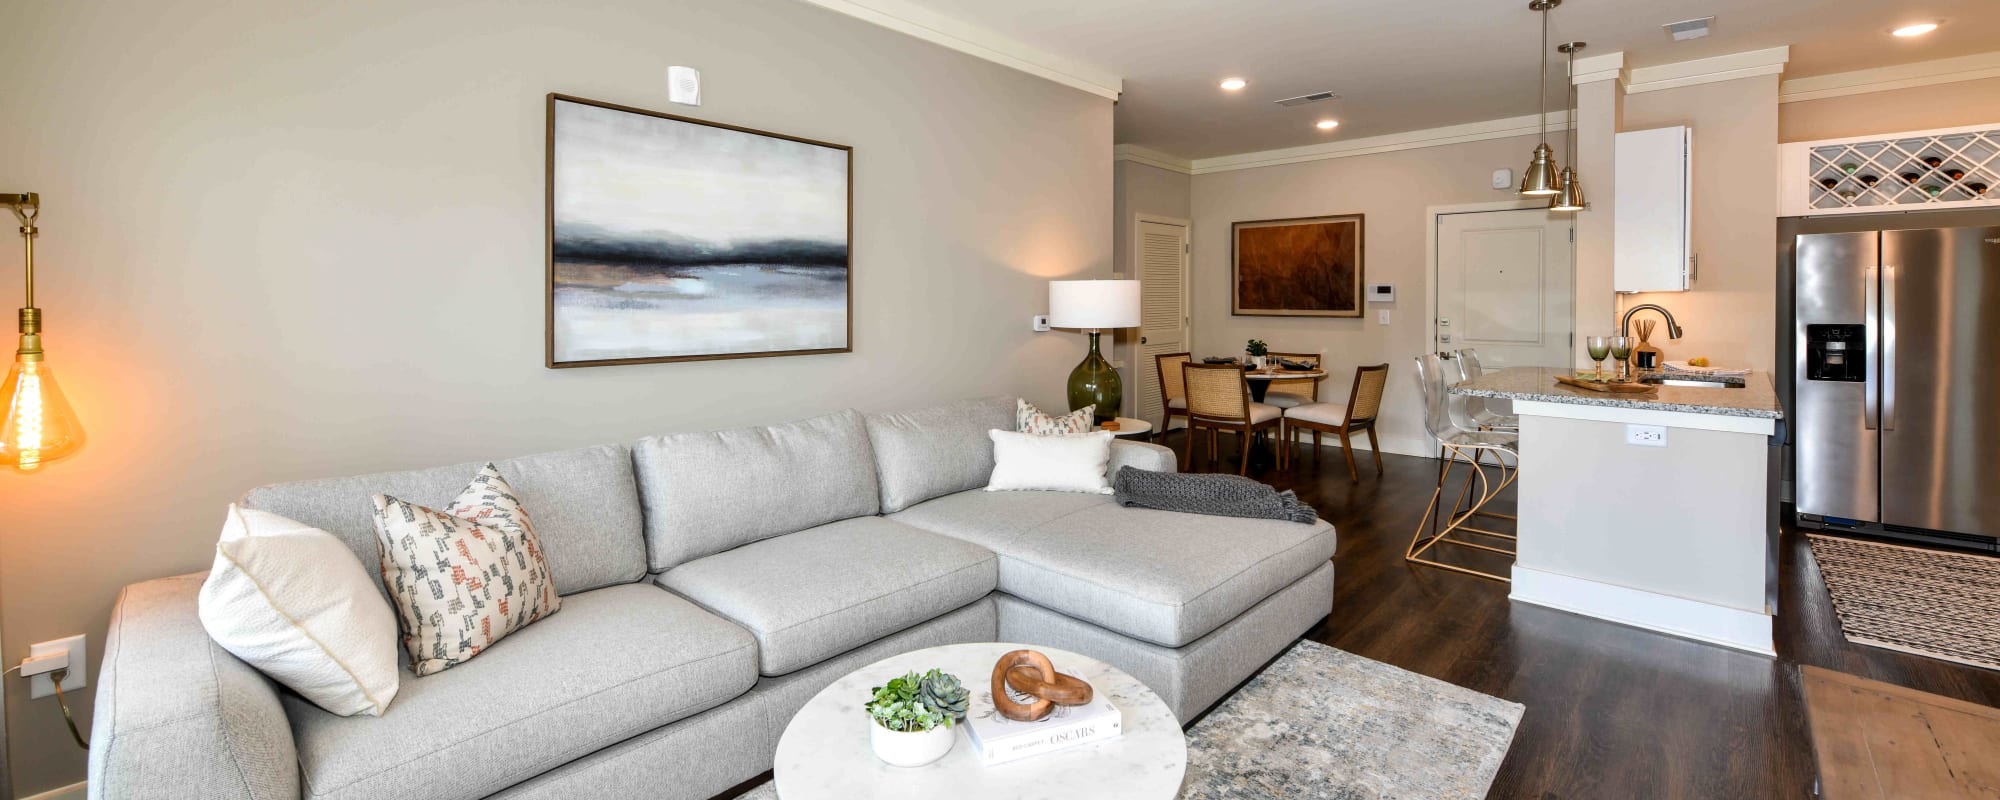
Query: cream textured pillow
463	577
1024	461
293	602
1029	419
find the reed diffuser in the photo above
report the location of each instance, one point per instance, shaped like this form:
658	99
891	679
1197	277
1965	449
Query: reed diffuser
1646	356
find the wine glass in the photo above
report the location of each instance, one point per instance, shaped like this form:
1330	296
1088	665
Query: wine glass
1599	347
1621	349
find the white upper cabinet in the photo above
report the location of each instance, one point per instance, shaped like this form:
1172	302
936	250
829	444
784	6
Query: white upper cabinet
1654	221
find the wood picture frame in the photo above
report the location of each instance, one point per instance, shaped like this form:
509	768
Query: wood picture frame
1298	267
669	238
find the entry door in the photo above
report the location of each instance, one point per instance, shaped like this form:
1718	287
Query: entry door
1504	287
1161	254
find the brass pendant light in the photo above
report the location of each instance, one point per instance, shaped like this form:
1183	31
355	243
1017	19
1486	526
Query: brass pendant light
1570	197
1543	177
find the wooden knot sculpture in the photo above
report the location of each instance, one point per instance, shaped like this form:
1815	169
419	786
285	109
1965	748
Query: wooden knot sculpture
1032	674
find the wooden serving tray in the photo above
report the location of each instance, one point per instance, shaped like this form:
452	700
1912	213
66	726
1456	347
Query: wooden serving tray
1615	388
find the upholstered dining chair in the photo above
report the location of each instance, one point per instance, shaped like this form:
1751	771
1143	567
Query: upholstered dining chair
1173	390
1293	392
1218	398
1357	415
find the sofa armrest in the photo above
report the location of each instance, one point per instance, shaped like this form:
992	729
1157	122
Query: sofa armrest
1141	455
177	715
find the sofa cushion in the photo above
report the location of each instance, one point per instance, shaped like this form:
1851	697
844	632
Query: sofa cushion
585	505
1160	576
709	492
814	594
992	519
935	451
617	662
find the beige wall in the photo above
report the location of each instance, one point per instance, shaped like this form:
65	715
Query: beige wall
288	240
1392	190
1944	105
1140	189
1731	311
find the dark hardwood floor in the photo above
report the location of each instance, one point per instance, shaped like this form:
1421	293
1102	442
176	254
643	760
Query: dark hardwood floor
1612	711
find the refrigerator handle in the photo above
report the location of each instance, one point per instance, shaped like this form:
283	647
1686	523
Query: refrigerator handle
1888	420
1871	413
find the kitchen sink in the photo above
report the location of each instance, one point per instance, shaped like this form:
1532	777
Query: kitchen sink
1702	383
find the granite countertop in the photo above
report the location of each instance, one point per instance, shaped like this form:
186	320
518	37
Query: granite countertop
1757	398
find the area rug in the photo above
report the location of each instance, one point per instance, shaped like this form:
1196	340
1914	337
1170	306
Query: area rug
1934	603
1324	724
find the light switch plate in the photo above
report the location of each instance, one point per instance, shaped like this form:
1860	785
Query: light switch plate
1382	317
1646	435
42	686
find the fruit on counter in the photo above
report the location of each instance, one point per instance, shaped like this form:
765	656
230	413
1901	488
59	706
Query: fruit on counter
1698	361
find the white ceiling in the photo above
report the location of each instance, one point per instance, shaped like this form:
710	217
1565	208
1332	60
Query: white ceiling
1402	65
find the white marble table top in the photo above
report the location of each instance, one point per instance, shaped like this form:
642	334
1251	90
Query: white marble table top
824	753
1281	374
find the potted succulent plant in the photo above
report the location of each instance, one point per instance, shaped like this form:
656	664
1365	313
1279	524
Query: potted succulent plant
1257	350
911	718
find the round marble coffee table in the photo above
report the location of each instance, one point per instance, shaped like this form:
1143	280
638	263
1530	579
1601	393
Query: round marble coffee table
824	753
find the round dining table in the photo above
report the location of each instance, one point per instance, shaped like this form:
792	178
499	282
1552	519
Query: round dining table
1260	379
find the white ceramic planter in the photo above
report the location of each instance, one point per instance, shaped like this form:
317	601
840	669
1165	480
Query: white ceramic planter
910	749
1257	361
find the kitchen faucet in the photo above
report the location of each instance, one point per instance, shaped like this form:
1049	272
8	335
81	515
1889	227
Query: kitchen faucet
1673	328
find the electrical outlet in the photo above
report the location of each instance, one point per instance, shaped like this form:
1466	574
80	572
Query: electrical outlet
1646	435
41	685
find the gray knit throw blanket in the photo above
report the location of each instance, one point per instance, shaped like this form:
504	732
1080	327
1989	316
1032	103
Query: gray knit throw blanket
1217	495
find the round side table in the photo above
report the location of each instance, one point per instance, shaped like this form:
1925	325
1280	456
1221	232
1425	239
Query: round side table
1129	426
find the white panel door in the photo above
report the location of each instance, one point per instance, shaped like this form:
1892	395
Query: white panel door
1504	287
1161	251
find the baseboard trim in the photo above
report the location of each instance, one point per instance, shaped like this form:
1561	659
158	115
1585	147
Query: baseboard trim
1678	616
74	791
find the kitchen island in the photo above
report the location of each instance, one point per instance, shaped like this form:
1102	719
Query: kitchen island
1651	509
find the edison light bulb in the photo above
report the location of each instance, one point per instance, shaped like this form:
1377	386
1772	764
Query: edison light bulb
39	427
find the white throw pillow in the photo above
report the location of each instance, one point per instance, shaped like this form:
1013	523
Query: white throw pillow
295	603
1075	463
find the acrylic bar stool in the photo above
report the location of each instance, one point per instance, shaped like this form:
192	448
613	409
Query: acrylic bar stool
1461	441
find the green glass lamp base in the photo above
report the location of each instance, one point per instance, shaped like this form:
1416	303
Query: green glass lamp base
1094	382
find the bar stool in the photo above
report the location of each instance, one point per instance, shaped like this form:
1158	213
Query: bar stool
1488	413
1459	442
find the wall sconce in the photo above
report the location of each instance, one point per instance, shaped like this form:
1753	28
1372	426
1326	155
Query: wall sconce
39	426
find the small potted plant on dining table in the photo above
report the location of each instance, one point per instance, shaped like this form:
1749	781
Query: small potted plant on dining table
911	717
1257	350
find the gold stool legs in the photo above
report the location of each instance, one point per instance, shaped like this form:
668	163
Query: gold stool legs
1455	520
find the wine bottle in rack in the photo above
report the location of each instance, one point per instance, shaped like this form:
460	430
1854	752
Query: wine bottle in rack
1954	173
1932	161
1910	178
1869	181
1829	183
1978	189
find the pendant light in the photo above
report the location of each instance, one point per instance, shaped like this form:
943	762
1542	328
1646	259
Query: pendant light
1570	197
1543	177
39	426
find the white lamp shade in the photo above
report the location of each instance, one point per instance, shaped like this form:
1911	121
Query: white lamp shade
1094	304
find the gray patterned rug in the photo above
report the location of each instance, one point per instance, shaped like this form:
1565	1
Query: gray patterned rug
1324	724
1932	603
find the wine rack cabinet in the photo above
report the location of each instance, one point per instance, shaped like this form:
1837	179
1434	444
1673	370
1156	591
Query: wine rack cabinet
1915	171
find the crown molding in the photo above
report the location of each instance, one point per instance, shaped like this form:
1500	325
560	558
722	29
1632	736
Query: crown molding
1709	70
1882	79
1152	158
908	18
1610	66
1388	143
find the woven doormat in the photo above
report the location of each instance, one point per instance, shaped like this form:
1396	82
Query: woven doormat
1932	603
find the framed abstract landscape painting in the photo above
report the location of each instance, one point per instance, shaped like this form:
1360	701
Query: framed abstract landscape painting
674	239
1307	267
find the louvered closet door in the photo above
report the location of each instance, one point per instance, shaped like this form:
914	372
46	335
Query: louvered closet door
1162	264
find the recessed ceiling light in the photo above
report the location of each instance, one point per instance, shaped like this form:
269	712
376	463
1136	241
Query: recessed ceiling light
1233	84
1326	124
1918	29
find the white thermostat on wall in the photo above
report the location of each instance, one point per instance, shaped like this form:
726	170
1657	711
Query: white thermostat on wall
1381	293
684	85
1503	178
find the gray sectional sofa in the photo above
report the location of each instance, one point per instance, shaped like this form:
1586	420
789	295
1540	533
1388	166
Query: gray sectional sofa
712	583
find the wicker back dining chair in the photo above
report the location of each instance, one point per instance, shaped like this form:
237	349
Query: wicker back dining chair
1218	398
1292	392
1364	402
1173	389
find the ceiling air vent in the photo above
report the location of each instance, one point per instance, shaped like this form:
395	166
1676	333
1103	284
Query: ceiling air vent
1308	98
1689	29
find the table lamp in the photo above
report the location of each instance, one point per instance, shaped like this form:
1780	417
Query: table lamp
1094	306
39	426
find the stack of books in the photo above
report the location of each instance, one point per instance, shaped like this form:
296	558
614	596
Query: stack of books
998	740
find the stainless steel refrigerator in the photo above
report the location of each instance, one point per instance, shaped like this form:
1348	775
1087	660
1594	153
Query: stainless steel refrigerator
1896	429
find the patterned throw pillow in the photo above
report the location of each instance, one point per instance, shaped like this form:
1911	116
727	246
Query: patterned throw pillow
463	577
1029	419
